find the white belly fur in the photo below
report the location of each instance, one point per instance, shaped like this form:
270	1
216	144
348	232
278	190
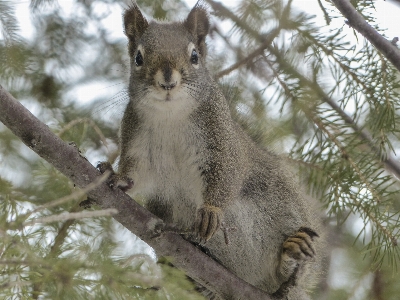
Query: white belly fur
168	164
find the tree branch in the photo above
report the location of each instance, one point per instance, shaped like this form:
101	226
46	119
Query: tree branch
356	20
259	51
390	163
67	159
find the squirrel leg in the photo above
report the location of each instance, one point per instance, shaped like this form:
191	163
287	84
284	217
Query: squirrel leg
208	221
295	250
115	180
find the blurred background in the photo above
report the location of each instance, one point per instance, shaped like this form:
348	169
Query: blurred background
298	78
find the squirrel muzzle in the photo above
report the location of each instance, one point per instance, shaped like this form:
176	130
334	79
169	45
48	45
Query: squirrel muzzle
167	79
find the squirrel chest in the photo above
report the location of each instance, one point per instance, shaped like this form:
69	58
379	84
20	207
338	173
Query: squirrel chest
167	149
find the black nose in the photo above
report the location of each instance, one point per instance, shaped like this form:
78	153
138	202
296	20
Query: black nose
167	86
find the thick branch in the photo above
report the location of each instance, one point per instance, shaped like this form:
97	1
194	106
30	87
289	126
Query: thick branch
67	159
357	21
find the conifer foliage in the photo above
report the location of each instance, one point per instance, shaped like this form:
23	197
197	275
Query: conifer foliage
314	89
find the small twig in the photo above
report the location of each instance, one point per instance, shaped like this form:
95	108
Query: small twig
259	51
90	122
326	15
79	215
75	195
11	284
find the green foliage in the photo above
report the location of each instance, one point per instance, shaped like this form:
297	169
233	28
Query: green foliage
330	101
8	23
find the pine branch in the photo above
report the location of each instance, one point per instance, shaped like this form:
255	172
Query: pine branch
391	164
67	159
259	51
356	21
8	23
316	120
55	248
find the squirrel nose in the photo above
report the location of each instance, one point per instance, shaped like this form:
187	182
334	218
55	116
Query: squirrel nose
168	86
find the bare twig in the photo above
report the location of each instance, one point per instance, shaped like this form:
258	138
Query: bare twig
75	195
259	51
73	216
88	121
326	15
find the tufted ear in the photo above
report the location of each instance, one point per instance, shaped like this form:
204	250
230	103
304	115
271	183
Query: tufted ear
198	24
135	25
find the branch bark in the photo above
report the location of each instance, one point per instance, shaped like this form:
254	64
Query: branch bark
67	159
356	20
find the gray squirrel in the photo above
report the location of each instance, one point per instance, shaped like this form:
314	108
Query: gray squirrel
196	168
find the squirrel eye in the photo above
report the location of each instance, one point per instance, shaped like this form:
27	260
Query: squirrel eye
139	59
194	58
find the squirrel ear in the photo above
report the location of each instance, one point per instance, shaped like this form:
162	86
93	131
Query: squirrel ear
135	25
198	24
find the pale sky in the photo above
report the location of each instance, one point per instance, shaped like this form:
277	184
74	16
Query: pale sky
387	14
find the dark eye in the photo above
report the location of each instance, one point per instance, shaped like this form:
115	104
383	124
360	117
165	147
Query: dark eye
139	59
194	58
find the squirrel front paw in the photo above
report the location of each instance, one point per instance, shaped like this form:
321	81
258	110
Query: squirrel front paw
115	180
297	249
208	221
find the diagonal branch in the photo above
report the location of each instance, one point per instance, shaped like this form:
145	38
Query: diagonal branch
259	51
357	21
67	159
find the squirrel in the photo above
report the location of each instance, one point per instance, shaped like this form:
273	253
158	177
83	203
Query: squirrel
195	167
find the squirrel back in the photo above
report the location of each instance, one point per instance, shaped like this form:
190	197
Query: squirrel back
193	166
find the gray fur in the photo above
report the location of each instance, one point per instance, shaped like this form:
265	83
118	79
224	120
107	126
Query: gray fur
194	166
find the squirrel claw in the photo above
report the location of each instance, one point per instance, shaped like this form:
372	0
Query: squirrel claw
300	245
208	221
296	249
122	182
115	180
104	166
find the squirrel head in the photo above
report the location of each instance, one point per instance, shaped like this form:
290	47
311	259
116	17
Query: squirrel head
165	55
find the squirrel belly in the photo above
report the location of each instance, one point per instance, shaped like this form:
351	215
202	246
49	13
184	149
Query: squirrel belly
193	166
166	148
